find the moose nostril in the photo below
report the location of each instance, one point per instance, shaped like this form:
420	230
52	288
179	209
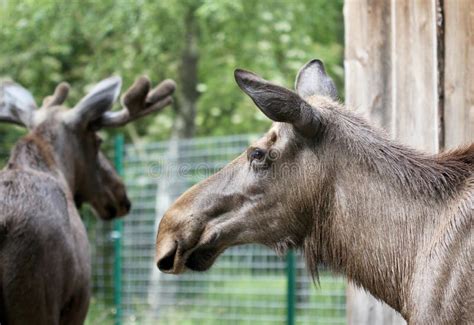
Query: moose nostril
111	211
127	204
166	263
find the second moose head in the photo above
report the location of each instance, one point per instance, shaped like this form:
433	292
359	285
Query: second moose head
69	139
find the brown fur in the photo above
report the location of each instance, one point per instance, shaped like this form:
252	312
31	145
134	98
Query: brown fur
396	221
42	238
44	251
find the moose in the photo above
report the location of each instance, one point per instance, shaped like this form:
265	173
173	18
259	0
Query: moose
44	251
395	221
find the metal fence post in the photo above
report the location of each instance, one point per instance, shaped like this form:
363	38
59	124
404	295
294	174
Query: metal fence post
117	236
291	287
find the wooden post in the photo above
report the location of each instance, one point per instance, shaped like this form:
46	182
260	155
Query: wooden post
369	84
368	59
415	74
409	68
459	72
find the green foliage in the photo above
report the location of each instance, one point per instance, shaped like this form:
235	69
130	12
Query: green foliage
43	42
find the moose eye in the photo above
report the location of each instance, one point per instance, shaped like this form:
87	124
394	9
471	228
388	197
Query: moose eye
256	154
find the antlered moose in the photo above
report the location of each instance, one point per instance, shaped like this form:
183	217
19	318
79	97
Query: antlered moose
58	165
396	221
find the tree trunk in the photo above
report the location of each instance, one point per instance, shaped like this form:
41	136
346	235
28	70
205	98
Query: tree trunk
185	107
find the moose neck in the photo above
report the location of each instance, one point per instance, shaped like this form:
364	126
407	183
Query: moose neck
33	152
385	202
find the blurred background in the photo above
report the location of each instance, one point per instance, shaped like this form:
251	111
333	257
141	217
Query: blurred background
406	65
198	43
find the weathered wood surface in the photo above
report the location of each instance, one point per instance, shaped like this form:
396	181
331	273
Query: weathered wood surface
364	309
459	72
391	67
415	74
369	84
368	60
393	49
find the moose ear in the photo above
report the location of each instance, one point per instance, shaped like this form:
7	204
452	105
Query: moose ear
99	100
312	80
278	103
17	105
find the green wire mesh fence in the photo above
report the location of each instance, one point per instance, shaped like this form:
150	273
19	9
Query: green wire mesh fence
247	285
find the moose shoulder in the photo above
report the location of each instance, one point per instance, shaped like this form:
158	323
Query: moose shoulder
396	221
58	165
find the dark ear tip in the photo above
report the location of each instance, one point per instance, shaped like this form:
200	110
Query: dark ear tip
316	62
246	78
239	74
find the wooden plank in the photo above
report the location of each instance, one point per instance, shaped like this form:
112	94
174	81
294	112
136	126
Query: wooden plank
368	60
368	83
415	90
391	64
459	72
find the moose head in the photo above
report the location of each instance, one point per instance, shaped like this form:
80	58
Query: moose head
69	140
269	193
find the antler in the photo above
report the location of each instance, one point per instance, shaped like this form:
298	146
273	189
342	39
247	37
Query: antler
139	101
59	96
17	105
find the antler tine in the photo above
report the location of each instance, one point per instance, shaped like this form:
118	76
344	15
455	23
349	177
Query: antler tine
60	94
139	101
